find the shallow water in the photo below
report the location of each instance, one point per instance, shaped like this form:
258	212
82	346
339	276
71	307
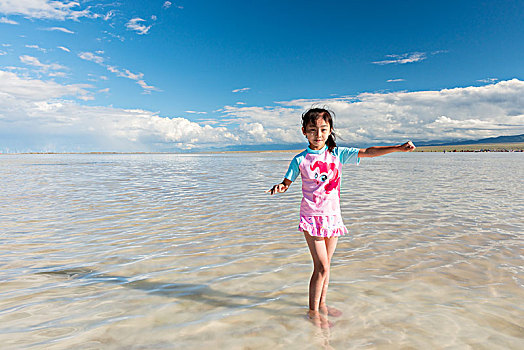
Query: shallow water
172	251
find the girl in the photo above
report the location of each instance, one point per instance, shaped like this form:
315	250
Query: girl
320	219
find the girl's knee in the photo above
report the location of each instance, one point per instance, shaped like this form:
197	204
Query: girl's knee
322	268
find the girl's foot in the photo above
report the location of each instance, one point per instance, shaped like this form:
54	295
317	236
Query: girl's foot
319	320
330	311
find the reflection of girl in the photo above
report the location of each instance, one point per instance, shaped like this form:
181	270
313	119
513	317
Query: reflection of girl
320	219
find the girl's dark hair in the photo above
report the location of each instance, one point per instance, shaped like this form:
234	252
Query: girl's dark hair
311	116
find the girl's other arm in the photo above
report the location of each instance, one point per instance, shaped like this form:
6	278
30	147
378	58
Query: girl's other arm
280	188
376	151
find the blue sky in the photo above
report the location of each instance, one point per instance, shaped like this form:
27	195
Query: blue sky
192	75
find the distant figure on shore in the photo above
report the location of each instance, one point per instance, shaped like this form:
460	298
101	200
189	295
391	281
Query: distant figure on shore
320	167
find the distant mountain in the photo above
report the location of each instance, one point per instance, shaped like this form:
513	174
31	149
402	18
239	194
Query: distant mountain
498	139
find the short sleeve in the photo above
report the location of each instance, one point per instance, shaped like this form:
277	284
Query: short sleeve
348	155
293	170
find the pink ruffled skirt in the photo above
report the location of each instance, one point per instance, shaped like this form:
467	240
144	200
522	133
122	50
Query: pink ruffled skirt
323	226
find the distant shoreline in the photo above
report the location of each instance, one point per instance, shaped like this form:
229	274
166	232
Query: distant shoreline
481	147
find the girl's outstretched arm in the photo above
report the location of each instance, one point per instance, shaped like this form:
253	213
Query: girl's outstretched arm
381	150
280	188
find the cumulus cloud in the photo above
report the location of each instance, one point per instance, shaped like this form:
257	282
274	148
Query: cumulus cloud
37	111
136	25
41	111
44	9
59	29
464	113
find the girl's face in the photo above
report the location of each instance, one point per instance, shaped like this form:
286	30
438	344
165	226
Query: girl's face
317	133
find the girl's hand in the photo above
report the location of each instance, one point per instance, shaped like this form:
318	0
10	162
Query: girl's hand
280	188
407	147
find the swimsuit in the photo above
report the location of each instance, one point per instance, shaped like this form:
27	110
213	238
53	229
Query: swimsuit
321	172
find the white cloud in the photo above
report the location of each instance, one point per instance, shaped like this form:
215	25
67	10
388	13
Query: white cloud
395	80
167	4
34	111
26	90
57	74
403	58
136	77
147	88
33	61
115	36
59	29
125	73
109	15
241	90
44	9
195	112
36	47
37	111
467	113
7	20
2	53
135	24
89	56
409	57
488	80
254	133
64	48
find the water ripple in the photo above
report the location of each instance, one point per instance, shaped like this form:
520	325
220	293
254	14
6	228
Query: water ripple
127	251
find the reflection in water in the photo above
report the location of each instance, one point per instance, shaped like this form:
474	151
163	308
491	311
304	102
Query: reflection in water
195	292
172	251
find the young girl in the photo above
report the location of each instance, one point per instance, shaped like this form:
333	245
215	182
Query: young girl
320	166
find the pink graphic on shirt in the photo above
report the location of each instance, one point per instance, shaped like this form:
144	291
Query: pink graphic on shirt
322	175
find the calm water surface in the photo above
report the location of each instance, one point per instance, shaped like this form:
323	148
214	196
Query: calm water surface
187	251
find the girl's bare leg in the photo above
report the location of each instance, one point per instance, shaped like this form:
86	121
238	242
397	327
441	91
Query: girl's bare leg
331	244
318	250
321	264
